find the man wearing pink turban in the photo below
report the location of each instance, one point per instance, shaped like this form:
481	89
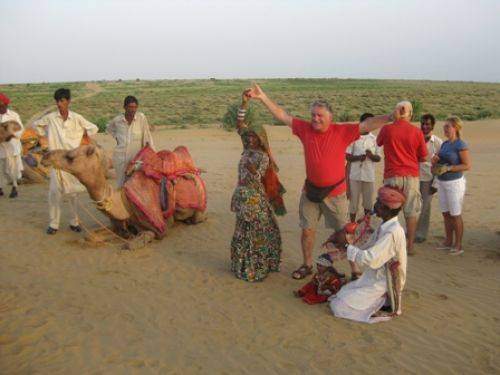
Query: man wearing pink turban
384	259
11	165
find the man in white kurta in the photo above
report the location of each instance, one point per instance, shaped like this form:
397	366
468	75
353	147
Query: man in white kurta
360	299
11	164
64	130
362	155
428	185
132	132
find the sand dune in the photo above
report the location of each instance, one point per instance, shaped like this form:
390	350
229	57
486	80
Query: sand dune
174	307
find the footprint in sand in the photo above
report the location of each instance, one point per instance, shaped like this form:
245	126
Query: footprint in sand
411	294
442	297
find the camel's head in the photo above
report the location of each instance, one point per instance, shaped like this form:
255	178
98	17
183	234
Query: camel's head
84	162
8	129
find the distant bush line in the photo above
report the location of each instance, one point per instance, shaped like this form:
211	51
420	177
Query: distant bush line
205	102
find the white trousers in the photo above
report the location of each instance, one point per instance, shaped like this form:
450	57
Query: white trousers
9	171
361	189
55	200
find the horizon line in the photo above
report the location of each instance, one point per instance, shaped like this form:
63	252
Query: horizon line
247	79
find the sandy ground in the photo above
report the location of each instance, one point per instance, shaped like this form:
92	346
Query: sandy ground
174	307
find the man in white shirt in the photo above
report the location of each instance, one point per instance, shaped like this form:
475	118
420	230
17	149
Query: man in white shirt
427	181
11	164
362	156
132	132
65	130
384	257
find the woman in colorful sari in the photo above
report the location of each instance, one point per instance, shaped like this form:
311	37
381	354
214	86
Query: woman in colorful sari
256	243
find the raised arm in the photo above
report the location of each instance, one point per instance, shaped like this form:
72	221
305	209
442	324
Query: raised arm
278	113
242	111
373	123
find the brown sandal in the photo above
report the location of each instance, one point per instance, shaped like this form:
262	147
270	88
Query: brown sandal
302	272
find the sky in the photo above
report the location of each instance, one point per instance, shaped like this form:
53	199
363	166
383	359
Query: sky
77	40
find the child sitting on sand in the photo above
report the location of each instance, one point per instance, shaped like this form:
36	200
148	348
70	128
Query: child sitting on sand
326	282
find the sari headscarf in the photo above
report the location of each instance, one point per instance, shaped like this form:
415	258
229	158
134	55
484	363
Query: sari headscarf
272	185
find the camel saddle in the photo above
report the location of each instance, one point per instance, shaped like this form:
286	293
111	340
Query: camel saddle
159	183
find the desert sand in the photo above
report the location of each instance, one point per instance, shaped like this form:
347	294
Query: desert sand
175	308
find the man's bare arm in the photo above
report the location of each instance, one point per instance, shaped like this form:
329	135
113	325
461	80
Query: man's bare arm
279	113
373	123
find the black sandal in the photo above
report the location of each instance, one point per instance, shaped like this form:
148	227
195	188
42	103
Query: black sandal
355	275
302	272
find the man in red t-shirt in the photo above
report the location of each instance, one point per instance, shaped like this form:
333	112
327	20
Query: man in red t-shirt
324	145
404	147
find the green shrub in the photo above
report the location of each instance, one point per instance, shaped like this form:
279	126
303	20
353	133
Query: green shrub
345	117
229	120
417	109
101	123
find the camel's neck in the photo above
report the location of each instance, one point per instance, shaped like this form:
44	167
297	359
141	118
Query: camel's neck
98	190
109	200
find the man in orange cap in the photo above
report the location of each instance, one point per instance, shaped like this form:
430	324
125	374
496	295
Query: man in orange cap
11	164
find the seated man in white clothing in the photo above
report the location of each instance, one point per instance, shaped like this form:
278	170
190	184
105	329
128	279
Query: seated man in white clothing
384	259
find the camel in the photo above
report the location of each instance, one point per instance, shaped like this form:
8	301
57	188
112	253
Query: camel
8	130
88	163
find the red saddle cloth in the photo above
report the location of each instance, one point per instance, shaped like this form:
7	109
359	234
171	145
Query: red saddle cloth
184	187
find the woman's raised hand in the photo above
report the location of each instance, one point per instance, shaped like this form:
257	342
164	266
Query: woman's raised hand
256	92
246	96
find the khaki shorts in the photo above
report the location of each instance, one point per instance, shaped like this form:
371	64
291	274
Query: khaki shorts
411	188
334	209
358	189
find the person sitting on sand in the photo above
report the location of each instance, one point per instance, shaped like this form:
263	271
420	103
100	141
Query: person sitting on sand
256	243
11	164
65	130
132	132
385	259
325	282
324	143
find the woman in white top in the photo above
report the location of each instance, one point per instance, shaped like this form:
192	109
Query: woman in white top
132	132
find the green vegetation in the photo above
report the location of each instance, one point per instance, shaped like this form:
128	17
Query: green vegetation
229	120
202	102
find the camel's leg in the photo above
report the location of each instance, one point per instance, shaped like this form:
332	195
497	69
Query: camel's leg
140	241
120	227
199	217
183	214
190	216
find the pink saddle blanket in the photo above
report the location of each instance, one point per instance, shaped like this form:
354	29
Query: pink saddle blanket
184	186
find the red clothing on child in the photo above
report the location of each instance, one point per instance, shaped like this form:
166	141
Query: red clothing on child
320	288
